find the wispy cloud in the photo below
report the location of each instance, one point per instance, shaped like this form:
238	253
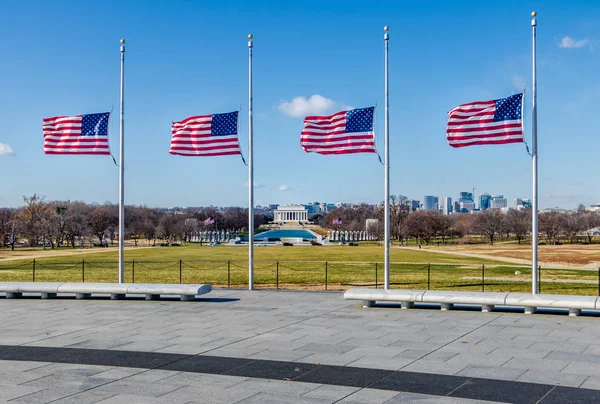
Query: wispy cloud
518	81
315	104
256	184
570	43
6	150
284	187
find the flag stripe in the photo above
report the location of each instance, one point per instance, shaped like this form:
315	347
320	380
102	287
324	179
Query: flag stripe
63	135
486	122
334	134
194	136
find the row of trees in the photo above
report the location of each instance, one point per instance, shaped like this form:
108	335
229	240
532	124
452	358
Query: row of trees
52	224
56	223
491	224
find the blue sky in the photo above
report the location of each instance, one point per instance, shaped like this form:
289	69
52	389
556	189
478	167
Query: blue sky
190	57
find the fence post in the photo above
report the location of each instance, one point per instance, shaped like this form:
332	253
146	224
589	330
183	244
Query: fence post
325	275
33	271
599	281
428	276
180	272
133	271
277	274
376	276
83	270
539	279
483	277
228	273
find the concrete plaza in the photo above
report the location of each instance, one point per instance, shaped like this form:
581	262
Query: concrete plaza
289	347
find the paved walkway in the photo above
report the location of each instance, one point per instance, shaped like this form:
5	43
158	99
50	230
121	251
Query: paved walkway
289	347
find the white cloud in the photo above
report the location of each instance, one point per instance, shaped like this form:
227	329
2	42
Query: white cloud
314	105
568	42
518	81
6	150
284	187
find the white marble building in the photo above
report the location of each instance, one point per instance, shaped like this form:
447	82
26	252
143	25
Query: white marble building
290	213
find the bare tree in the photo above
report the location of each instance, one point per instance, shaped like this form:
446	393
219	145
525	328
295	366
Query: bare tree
551	224
519	223
99	220
592	223
490	223
573	223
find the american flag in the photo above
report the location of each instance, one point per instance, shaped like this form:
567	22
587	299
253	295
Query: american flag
206	135
486	122
81	134
210	220
337	221
341	133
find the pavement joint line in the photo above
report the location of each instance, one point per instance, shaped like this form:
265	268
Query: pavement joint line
546	395
454	340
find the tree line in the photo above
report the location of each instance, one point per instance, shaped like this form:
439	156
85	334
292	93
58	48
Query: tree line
492	224
65	223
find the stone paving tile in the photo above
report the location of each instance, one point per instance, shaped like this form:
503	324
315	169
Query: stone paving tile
276	398
131	399
550	377
332	393
592	382
46	395
369	396
491	372
155	389
11	392
84	397
425	399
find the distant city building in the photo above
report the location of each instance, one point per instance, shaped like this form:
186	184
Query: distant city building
467	207
447	205
456	207
466	197
522	203
485	201
273	206
498	202
430	202
413	204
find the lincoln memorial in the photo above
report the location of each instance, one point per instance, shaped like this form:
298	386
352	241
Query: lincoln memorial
290	213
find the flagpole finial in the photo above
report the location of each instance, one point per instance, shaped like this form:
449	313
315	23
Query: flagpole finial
122	42
386	35
250	36
534	14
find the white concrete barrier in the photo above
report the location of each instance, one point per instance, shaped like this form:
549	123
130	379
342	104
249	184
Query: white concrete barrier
116	290
487	300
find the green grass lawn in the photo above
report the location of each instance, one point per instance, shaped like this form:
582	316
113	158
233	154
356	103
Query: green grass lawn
335	267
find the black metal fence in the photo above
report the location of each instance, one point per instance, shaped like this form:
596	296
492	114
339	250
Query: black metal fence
326	275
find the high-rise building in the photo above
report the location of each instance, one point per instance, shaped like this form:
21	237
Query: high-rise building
498	202
456	207
466	197
522	203
467	207
430	202
413	205
485	201
447	206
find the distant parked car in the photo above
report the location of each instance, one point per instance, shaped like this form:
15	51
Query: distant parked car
163	244
288	244
175	245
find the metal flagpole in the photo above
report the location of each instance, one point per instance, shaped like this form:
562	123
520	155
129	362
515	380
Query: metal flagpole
534	157
250	174
122	169
387	167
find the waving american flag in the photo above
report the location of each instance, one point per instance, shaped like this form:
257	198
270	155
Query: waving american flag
80	134
486	122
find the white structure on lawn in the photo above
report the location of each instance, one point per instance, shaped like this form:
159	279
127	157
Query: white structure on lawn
290	213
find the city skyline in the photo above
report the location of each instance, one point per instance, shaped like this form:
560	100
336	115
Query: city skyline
423	87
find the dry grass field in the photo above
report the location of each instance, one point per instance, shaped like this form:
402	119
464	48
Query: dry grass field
584	256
